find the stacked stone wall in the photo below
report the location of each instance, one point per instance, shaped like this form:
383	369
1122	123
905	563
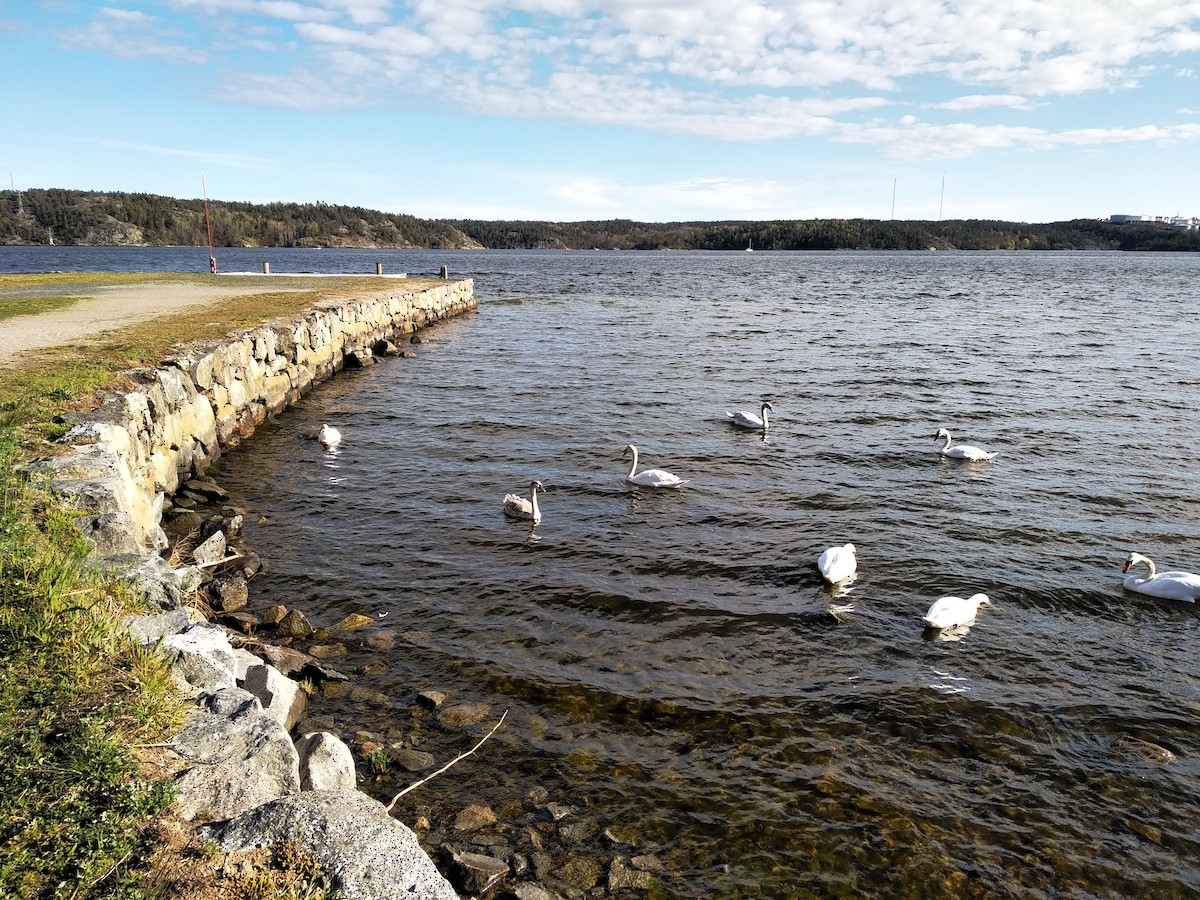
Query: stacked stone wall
141	445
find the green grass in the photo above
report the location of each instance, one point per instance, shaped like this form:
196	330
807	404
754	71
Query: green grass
75	696
77	811
11	307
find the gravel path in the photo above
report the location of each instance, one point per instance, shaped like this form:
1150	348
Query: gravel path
105	309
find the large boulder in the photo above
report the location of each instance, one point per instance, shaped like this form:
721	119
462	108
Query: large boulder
245	758
367	854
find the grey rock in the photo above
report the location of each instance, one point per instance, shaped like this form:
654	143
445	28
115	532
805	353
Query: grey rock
282	699
411	760
473	873
151	629
326	763
201	657
210	551
367	854
245	760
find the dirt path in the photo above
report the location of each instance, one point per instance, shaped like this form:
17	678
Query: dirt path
107	308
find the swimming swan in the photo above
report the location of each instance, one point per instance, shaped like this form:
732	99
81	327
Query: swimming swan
650	477
837	564
1168	585
516	507
951	612
962	451
744	419
329	437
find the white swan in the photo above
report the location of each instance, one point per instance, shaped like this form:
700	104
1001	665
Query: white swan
744	419
963	451
837	564
951	612
329	437
517	507
650	477
1168	585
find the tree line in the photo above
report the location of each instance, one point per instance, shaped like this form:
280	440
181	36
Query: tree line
94	218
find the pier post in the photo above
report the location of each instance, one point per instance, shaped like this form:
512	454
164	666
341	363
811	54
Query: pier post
378	268
444	274
266	268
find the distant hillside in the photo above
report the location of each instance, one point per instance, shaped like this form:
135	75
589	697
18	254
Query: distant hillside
96	218
93	218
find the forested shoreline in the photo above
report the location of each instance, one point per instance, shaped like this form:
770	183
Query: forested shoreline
95	218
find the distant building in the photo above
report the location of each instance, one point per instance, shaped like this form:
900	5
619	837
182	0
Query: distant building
1186	222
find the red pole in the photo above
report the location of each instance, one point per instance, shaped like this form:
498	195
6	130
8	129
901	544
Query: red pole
212	260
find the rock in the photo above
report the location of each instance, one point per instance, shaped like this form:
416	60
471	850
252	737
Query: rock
244	622
578	832
285	659
245	759
620	836
210	551
412	760
558	811
243	661
473	818
326	763
622	878
294	624
473	873
201	657
382	641
464	714
433	699
163	586
231	591
353	622
282	699
154	628
366	853
529	891
249	563
580	872
327	651
206	488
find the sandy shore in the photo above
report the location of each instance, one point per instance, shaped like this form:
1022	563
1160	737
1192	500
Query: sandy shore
108	308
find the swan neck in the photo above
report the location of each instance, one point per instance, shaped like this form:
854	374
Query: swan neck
633	467
946	435
763	412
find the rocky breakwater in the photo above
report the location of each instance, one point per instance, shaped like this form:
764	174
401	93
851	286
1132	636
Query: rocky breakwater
249	771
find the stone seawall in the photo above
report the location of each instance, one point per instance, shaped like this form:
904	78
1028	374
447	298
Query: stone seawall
246	769
140	445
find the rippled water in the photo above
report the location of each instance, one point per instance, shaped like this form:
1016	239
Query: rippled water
669	658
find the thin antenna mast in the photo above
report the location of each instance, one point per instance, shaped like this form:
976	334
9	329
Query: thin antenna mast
942	198
893	198
212	260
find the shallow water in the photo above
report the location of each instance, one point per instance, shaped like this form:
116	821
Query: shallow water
669	659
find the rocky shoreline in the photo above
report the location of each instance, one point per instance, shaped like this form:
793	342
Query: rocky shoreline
257	772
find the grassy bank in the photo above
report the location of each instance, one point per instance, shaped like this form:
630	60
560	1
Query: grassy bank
81	814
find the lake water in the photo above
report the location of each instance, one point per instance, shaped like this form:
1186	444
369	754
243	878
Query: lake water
669	659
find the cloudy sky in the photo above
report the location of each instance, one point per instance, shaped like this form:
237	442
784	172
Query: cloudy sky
654	110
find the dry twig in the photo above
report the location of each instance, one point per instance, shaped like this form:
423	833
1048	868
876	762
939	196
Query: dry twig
461	756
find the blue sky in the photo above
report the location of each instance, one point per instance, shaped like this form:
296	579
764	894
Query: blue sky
653	110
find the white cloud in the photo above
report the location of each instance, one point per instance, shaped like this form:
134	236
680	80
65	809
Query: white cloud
204	157
984	101
129	34
754	71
